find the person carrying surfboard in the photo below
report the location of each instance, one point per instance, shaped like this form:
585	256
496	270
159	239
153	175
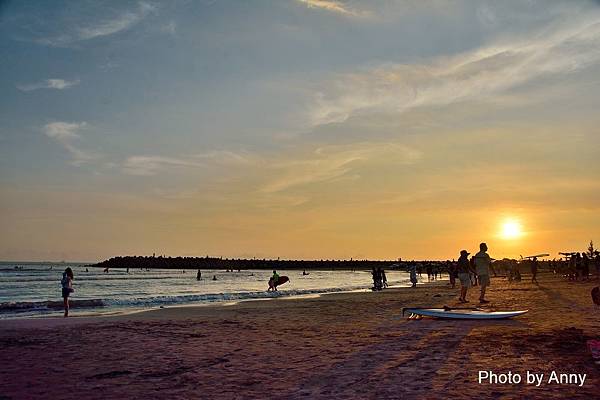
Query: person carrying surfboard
273	281
482	269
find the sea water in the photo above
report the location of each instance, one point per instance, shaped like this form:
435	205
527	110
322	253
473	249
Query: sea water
29	290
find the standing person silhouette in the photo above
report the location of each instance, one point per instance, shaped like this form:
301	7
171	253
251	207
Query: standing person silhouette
273	282
383	278
67	288
534	270
463	270
482	269
413	274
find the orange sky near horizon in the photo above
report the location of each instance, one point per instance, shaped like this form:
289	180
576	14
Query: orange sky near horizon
361	129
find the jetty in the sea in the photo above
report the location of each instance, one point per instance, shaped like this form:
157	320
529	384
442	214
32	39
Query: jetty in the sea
149	262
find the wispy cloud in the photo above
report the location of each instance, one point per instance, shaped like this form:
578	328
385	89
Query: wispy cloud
170	28
59	84
147	165
332	6
121	22
66	133
479	74
151	165
333	162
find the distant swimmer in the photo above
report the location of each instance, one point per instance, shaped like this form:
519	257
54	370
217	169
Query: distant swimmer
305	273
67	288
86	270
214	278
106	270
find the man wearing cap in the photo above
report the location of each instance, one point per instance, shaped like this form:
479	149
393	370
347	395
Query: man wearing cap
482	268
463	270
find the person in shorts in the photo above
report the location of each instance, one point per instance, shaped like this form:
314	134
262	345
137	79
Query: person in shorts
482	269
463	271
67	288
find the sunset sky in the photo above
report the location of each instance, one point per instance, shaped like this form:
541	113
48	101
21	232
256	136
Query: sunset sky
298	128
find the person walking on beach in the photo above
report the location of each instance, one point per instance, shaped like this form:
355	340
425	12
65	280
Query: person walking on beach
463	270
534	270
413	274
377	283
67	288
472	274
585	261
451	267
273	282
482	269
384	283
578	266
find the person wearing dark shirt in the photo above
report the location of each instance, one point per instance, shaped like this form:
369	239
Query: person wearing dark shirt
534	270
463	270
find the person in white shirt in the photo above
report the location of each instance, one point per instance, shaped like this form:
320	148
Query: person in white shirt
482	268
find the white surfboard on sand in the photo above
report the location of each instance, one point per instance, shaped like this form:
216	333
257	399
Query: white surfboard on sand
462	313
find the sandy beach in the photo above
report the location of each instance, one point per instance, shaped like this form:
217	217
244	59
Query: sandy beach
342	346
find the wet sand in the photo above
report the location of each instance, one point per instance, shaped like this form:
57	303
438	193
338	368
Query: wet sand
338	346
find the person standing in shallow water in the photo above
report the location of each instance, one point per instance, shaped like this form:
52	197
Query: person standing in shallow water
67	288
413	275
482	269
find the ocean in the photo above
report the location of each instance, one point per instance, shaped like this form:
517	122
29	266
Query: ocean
34	290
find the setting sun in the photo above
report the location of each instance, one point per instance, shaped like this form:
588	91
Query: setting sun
511	229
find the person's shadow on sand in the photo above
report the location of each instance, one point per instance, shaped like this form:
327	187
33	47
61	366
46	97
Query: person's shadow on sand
400	350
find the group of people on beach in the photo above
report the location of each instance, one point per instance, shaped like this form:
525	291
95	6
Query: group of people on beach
470	272
578	266
474	271
479	267
379	278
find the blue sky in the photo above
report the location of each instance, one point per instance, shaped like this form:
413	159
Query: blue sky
296	128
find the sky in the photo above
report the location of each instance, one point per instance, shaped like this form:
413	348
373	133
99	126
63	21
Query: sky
313	129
